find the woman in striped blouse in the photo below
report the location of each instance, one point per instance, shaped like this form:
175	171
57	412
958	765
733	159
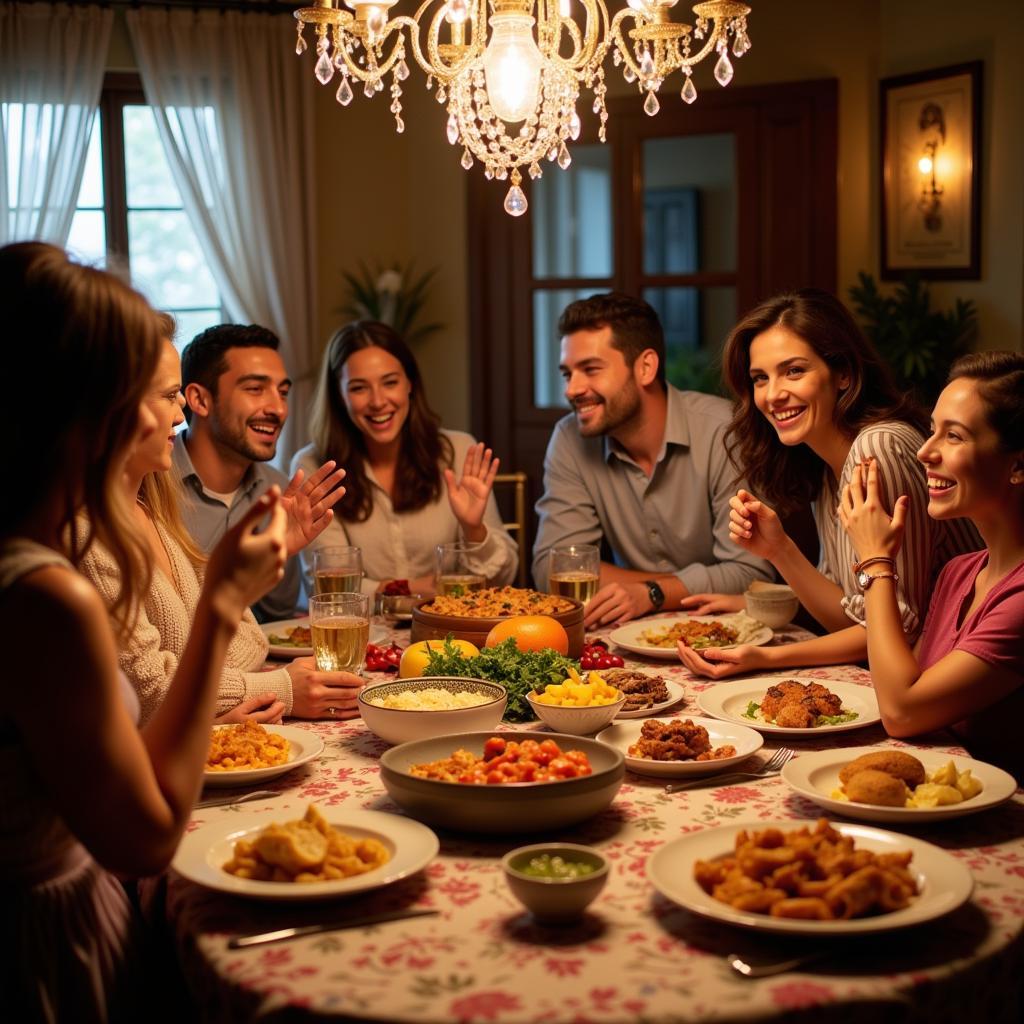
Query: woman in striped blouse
814	401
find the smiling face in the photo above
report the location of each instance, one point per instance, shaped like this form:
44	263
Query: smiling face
251	403
794	388
376	392
162	407
601	388
969	474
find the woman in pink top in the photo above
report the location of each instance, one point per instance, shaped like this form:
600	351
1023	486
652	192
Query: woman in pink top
967	668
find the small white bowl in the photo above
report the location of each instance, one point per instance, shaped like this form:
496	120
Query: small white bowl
773	604
397	726
555	900
576	721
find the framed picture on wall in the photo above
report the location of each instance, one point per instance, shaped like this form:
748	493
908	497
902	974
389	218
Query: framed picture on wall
931	173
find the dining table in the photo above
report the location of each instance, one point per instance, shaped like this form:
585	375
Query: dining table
634	956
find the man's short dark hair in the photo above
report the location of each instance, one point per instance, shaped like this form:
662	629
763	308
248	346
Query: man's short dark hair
205	356
634	324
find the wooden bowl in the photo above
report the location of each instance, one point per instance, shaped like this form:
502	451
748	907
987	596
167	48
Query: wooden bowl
431	626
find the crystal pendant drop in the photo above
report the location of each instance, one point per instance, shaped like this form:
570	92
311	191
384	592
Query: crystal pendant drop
535	171
689	92
515	202
402	71
440	95
646	65
378	86
399	125
300	44
564	159
651	104
723	70
574	126
344	93
324	69
553	154
452	129
629	74
368	90
501	173
740	44
488	172
467	160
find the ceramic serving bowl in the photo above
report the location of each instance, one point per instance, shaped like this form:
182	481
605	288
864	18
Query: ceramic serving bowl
576	721
507	809
427	625
774	604
396	725
555	900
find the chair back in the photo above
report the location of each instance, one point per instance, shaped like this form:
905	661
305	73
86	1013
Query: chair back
517	525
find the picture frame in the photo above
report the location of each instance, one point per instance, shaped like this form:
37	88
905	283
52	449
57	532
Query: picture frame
931	173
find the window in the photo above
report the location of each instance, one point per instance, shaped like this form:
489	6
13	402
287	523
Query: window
129	209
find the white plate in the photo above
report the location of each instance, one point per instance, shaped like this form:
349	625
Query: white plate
202	853
816	775
675	694
729	700
377	634
943	881
303	746
628	636
746	741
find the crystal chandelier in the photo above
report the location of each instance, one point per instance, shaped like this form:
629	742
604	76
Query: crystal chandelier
509	72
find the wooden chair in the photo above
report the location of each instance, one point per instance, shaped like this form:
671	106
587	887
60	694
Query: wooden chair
517	525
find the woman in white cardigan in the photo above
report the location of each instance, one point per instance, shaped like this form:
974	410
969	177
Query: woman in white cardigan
402	497
151	653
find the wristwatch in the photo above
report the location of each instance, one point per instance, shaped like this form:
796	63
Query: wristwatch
655	593
865	579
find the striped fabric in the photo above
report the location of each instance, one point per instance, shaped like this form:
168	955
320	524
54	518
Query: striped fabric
928	544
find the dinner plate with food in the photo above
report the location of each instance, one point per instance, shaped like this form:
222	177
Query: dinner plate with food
810	878
657	638
898	785
293	638
791	707
295	852
249	752
672	748
646	694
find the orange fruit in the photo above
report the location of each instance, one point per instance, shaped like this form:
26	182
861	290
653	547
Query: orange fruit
531	633
415	656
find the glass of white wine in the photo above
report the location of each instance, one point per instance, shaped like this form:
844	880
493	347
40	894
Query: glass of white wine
341	631
337	570
458	569
574	571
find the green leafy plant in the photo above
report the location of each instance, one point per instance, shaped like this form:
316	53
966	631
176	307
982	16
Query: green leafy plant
393	294
919	343
694	369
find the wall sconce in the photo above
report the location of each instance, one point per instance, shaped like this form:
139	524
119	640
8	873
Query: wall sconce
932	122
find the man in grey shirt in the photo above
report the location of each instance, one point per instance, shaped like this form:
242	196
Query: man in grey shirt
640	466
236	392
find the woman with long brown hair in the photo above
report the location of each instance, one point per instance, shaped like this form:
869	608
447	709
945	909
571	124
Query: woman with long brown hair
83	792
402	498
813	400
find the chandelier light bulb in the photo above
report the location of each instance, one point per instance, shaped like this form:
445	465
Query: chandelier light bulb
565	8
457	12
924	165
512	65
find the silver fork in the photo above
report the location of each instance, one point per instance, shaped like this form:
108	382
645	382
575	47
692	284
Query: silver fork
772	766
222	799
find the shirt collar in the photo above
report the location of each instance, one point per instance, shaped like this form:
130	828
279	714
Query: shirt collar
677	428
183	466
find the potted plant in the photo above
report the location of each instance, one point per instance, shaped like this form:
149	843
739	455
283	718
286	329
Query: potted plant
394	295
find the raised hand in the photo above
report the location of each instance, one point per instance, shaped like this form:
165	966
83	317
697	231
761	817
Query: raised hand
307	503
874	533
247	562
754	526
713	604
468	497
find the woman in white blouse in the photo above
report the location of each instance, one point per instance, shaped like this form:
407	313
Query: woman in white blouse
402	498
814	400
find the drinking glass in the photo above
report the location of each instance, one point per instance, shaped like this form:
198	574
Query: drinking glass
574	571
341	631
458	569
337	570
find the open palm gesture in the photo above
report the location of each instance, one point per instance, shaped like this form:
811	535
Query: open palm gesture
307	503
468	497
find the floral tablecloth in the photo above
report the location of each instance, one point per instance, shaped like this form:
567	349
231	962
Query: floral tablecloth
635	957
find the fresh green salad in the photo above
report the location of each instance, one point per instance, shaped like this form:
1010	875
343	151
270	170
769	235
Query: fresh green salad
518	671
753	710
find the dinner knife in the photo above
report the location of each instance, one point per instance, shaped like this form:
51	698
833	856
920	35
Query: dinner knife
242	941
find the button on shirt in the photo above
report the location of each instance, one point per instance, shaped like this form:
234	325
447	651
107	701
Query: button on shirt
207	518
674	522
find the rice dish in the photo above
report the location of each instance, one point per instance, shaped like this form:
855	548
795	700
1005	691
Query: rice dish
431	699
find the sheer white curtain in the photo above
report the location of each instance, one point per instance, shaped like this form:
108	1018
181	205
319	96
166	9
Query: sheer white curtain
234	114
52	58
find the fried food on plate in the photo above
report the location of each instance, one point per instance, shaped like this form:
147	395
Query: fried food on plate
871	786
893	762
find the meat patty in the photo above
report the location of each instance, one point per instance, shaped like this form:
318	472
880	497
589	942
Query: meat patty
896	763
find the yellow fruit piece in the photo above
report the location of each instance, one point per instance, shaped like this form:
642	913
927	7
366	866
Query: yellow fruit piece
415	656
